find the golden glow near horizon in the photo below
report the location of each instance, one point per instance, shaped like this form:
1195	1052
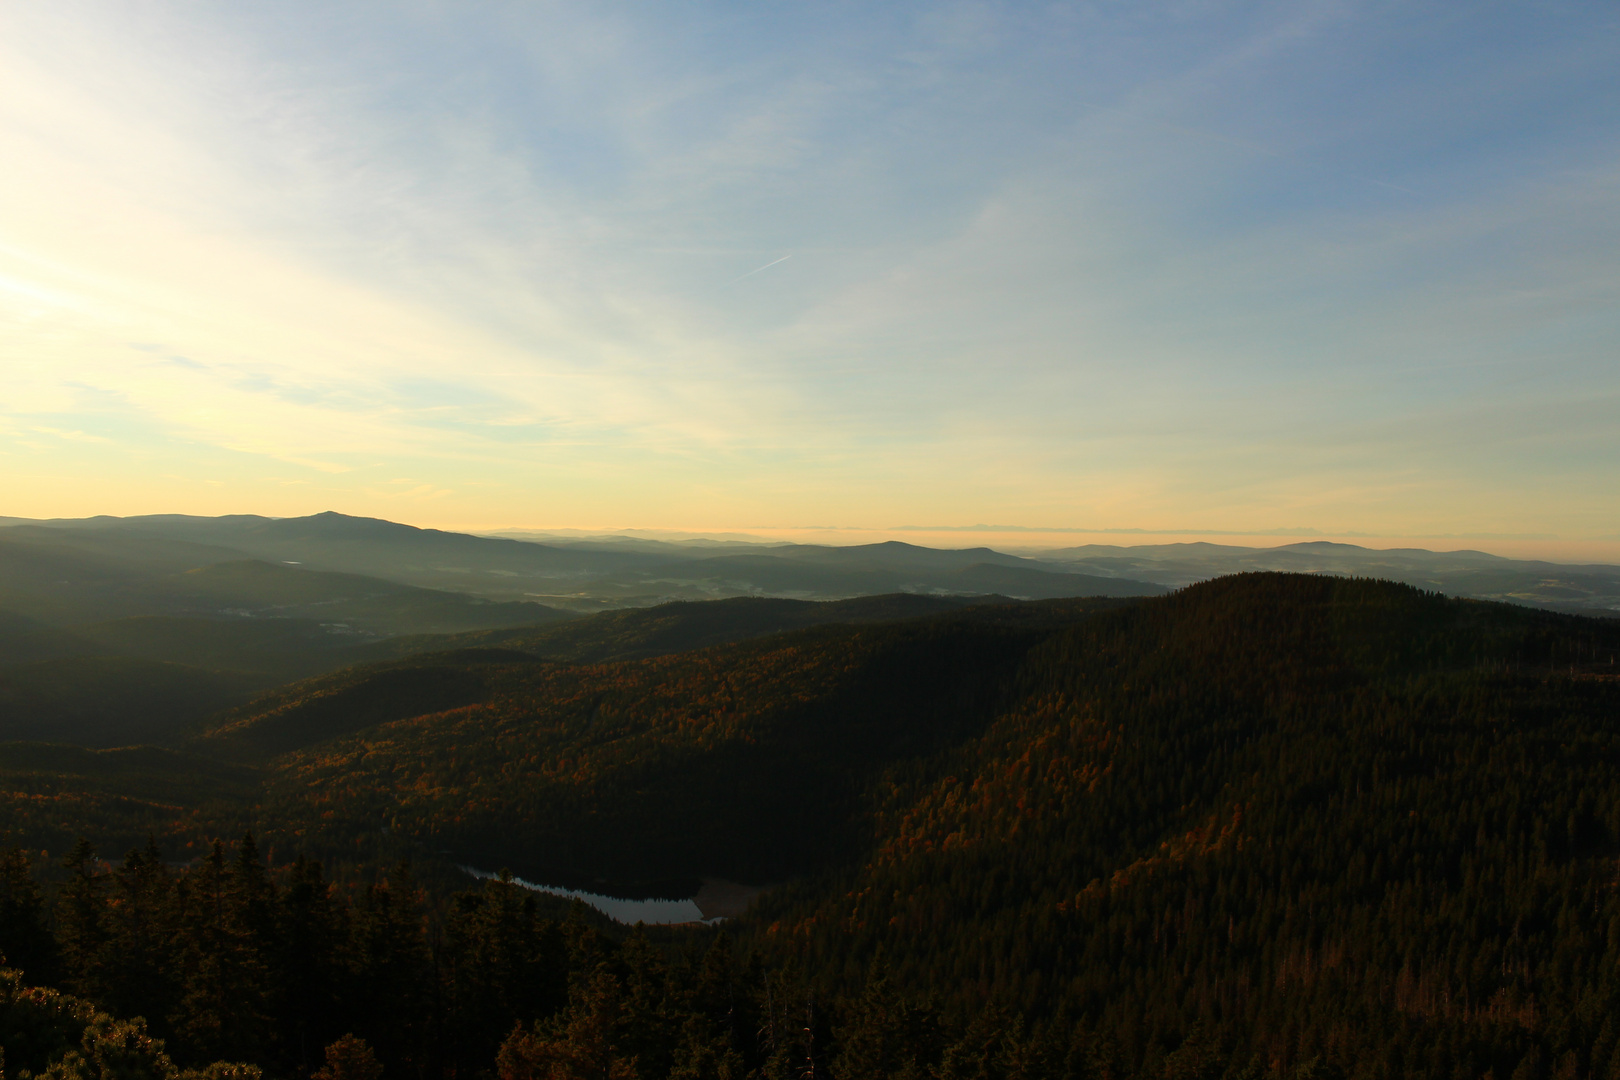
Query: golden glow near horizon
1072	270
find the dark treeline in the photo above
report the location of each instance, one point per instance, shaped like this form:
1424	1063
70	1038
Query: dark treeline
226	960
223	962
1272	826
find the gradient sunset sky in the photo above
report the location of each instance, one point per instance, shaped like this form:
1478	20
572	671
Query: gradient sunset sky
1184	267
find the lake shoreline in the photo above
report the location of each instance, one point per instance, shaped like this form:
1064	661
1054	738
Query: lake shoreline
715	901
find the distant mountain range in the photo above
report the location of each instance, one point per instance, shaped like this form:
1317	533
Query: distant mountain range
580	575
120	629
575	575
115	630
1592	589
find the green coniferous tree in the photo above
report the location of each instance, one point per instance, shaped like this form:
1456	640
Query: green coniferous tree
884	1035
252	897
583	1044
391	970
350	1058
141	925
702	1054
26	942
311	931
223	1009
652	1020
706	1039
502	964
81	924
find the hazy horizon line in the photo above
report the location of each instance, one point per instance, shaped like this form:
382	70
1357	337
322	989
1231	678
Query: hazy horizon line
1603	549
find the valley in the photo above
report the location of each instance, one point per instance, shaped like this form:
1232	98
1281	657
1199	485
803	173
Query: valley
1187	833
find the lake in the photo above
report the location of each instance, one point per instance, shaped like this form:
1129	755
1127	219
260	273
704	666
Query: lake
716	900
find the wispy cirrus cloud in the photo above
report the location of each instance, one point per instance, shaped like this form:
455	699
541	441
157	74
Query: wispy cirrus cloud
1222	263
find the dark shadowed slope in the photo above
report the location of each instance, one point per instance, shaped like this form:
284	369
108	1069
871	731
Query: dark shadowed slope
1271	825
354	699
752	758
1270	817
50	795
112	700
429	674
108	639
69	577
676	627
742	761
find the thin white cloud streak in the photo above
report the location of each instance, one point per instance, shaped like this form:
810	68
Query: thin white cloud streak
758	269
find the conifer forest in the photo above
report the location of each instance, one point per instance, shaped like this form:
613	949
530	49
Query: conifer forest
738	540
1270	825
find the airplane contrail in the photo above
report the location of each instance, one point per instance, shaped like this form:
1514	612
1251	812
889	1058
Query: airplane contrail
756	270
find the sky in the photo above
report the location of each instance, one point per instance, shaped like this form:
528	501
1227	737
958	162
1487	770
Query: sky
1345	269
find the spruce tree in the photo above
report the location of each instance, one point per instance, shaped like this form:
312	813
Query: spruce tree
502	965
26	943
350	1058
142	924
81	924
311	935
392	969
224	996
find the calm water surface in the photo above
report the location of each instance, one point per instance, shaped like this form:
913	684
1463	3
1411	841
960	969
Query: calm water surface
629	912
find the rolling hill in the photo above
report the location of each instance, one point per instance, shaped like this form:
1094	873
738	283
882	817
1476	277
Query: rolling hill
1590	590
1271	825
428	674
591	574
679	626
67	577
582	576
108	639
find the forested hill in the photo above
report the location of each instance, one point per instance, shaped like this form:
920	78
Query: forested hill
1270	818
747	760
678	626
432	673
1270	825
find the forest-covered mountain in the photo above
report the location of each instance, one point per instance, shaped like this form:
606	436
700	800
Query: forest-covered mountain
69	577
119	630
587	574
1592	589
107	639
1270	825
580	575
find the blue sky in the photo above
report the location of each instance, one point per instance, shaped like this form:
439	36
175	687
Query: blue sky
1351	267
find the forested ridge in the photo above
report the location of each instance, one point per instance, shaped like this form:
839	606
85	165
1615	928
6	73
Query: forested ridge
1271	825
